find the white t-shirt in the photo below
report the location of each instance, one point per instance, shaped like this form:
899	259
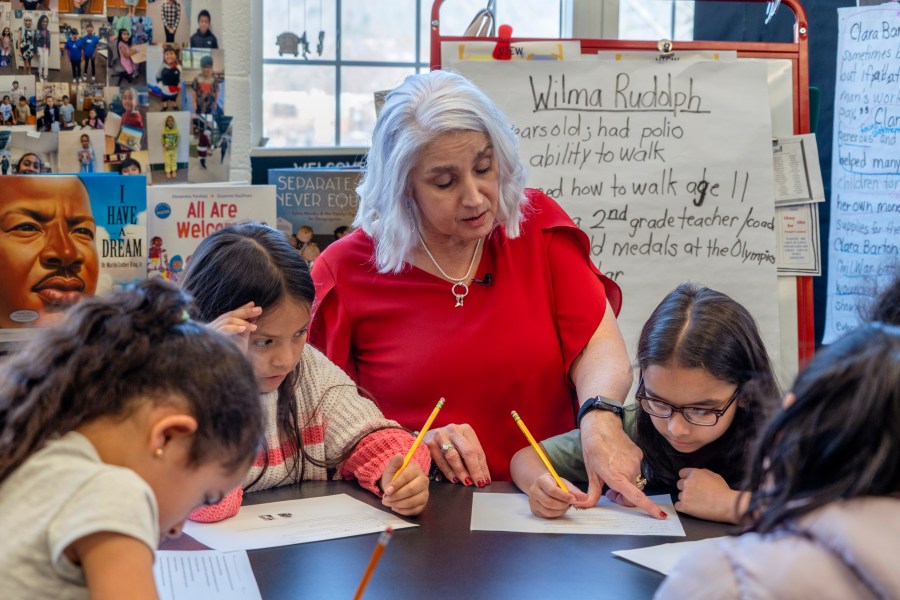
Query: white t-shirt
62	493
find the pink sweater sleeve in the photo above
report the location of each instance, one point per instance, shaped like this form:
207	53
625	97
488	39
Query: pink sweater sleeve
227	507
374	451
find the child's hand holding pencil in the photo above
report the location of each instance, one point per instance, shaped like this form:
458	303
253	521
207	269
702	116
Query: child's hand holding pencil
549	496
406	489
547	500
405	485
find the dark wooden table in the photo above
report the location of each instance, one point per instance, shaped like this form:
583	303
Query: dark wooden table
444	559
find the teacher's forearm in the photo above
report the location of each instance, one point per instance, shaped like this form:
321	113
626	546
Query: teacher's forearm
603	368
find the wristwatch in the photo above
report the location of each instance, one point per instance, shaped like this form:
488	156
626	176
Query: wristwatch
599	403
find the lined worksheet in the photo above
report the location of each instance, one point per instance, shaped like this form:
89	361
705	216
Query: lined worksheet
510	512
204	574
294	522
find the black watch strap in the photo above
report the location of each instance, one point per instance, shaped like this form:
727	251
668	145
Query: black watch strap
599	403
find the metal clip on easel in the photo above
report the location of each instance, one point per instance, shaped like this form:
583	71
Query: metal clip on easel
665	48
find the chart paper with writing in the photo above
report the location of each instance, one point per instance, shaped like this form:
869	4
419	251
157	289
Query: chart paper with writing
666	167
864	237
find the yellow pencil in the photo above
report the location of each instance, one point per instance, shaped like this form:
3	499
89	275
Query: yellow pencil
540	452
383	540
424	430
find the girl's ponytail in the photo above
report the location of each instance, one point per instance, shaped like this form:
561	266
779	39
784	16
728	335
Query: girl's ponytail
112	352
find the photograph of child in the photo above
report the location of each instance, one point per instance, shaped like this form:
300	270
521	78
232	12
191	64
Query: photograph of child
206	17
81	151
6	39
92	120
164	67
82	43
75	53
29	155
208	139
203	72
7	116
126	118
35	36
43	44
169	145
126	59
48	106
25	49
66	113
25	119
20	90
141	30
132	163
171	20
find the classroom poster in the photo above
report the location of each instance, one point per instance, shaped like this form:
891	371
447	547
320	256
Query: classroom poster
864	238
316	206
180	217
667	167
105	66
96	243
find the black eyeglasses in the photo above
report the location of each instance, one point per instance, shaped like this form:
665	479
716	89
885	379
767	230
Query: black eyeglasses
705	417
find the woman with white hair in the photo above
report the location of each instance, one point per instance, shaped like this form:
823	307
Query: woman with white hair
460	283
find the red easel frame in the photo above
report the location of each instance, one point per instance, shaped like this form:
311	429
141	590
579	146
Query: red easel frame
797	52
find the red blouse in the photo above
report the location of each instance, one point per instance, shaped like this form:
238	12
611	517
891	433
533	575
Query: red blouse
510	347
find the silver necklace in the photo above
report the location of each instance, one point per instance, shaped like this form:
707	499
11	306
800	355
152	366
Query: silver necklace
459	289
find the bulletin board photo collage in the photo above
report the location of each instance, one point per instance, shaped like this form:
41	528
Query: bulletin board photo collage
120	86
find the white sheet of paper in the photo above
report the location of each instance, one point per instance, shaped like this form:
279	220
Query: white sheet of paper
797	230
293	522
664	557
510	512
798	177
204	574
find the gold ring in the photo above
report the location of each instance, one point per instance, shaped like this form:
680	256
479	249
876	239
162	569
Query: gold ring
640	481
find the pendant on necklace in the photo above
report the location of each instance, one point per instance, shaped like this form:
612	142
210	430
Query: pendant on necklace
459	295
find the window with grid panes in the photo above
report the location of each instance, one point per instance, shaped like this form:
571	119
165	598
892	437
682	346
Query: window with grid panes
323	95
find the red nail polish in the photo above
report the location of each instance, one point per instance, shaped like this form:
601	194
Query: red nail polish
456	480
468	481
487	482
663	514
480	483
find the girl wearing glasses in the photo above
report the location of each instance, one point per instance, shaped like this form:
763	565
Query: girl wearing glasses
824	516
705	389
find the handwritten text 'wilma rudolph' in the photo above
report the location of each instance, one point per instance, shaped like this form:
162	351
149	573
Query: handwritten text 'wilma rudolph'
656	98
